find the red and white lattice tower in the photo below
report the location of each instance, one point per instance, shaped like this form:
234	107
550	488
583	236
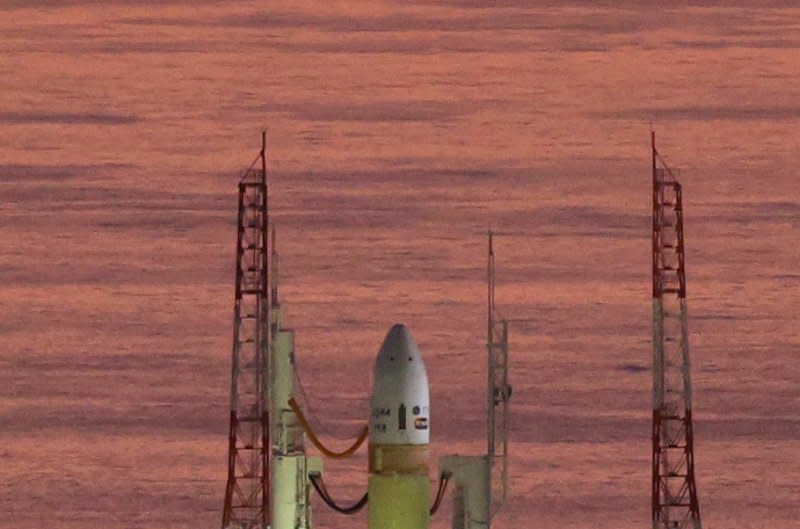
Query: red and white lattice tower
247	494
674	491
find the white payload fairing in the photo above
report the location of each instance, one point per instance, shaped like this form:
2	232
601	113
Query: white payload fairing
399	433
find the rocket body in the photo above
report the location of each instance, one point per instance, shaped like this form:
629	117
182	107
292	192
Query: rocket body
399	433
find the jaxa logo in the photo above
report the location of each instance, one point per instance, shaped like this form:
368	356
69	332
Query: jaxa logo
421	423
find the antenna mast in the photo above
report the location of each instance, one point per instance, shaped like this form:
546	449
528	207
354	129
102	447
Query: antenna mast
499	392
674	494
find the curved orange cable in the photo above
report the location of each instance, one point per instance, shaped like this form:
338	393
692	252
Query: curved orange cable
314	439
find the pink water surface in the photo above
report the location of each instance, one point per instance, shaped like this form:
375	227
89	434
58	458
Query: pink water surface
398	133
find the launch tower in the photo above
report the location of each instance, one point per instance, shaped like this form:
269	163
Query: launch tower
247	497
674	494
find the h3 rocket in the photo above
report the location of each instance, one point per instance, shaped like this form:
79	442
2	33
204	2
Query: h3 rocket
399	433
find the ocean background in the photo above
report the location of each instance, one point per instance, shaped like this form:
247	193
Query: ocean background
398	133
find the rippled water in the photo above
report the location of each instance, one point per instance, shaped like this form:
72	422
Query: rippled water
398	133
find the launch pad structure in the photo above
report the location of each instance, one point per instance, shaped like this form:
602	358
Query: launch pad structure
270	477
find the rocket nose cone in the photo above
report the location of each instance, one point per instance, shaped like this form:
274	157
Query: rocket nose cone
400	400
398	345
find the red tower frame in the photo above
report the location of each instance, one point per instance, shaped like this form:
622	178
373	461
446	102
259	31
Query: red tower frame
674	494
247	493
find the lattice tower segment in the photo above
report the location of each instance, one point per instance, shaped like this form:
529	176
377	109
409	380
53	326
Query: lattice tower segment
674	492
247	492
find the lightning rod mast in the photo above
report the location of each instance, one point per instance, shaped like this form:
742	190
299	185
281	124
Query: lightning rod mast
247	492
674	492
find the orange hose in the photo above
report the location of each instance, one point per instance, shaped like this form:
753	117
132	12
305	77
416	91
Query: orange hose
314	439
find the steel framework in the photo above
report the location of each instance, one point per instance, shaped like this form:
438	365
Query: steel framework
499	392
674	494
247	495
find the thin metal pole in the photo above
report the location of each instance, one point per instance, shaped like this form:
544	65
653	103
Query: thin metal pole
265	263
490	345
